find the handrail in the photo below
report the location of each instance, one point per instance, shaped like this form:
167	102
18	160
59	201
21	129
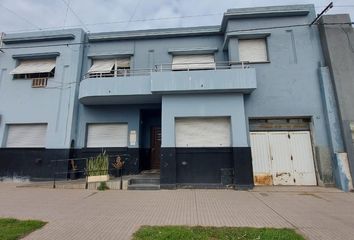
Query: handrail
124	72
83	167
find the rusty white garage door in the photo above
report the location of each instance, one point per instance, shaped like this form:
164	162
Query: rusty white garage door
282	158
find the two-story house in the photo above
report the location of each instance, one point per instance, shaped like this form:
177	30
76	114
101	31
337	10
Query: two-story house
242	98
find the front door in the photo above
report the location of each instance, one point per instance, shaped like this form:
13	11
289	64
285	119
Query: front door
155	147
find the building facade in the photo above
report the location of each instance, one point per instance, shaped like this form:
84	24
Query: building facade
245	97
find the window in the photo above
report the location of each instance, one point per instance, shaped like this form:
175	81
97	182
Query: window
253	50
109	68
193	62
107	135
38	68
26	135
39	82
203	132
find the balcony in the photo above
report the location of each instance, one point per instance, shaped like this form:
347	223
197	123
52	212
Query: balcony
122	87
147	85
222	78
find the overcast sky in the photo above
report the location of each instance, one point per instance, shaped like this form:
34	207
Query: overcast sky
119	15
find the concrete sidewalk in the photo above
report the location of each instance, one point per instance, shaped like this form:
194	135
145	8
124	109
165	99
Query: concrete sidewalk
318	213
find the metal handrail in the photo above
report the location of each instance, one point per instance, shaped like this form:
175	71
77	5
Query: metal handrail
124	72
84	170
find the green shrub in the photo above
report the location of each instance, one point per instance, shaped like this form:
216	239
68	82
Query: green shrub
98	165
103	186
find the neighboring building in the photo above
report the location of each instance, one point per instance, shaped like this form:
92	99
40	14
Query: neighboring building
193	102
337	38
38	116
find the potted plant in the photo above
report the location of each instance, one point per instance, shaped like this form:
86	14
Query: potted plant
118	164
73	170
97	168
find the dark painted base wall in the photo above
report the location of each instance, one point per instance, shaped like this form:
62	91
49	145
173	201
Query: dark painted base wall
180	167
38	164
188	167
31	163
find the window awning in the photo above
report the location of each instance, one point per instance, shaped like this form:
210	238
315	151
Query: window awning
123	62
34	66
183	62
102	66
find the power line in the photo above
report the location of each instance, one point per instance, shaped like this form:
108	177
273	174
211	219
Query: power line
66	13
133	14
78	18
144	20
23	18
125	21
239	30
327	8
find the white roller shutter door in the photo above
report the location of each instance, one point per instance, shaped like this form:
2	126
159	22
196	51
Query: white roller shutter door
253	50
26	136
107	135
184	62
203	132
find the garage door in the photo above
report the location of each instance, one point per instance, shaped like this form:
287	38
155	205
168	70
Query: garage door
203	132
26	135
282	158
107	135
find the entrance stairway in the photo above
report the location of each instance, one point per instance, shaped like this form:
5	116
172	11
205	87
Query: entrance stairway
147	180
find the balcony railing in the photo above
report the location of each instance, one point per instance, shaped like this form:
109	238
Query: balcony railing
200	66
168	67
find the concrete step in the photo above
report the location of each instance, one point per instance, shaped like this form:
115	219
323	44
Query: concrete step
144	187
155	181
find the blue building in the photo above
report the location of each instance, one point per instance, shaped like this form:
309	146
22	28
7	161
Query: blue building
243	98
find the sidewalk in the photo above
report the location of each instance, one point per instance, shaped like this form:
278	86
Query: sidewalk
318	213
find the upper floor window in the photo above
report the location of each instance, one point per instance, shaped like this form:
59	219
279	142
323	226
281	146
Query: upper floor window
193	62
35	68
253	50
109	68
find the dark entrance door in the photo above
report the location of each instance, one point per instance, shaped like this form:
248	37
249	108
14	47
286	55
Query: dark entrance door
155	147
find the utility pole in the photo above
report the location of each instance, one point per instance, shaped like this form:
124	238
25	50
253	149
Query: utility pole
1	43
329	6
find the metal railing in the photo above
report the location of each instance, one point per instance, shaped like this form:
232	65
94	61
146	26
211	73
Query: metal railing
168	67
200	66
80	171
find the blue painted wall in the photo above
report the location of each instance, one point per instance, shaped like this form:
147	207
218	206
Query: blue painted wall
287	86
55	105
204	105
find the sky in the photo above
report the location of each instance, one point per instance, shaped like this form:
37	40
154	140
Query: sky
121	15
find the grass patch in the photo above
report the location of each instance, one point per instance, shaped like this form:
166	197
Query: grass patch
214	233
12	229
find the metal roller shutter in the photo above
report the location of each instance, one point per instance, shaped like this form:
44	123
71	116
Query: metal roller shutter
107	135
26	136
253	50
203	132
183	62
